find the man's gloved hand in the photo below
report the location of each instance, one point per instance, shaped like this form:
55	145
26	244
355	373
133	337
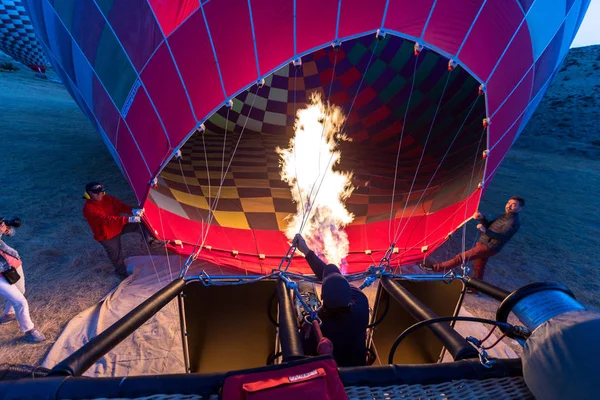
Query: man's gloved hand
301	244
478	215
135	219
138	212
481	228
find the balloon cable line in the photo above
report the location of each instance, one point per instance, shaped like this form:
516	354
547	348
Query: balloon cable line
412	87
313	198
397	235
212	207
459	130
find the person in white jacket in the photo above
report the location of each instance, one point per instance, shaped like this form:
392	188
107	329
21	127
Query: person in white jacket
16	308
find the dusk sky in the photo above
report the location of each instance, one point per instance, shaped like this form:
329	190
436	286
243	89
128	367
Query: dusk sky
589	32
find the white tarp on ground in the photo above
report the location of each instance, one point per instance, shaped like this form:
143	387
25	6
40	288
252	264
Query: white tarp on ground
155	348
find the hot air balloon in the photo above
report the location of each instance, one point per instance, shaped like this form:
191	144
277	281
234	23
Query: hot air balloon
17	38
193	99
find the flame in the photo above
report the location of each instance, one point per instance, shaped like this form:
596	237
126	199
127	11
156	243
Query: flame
307	167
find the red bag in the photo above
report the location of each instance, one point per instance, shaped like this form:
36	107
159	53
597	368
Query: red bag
314	380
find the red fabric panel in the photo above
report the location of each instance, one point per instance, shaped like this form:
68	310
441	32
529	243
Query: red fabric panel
147	130
495	26
499	152
513	66
274	32
428	230
511	110
105	111
195	58
167	93
315	29
450	22
170	14
231	30
134	166
408	16
359	16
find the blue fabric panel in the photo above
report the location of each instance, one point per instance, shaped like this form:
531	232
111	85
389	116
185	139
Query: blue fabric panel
547	63
544	19
83	76
87	29
130	17
569	28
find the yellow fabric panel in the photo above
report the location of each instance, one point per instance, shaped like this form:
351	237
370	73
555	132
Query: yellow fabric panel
250	123
227	192
275	176
258	204
309	68
260	103
179	178
213	174
278	95
252	183
280	193
232	219
359	221
190	199
248	169
358	199
282	220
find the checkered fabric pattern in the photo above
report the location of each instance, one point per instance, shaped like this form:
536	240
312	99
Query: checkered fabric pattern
17	37
253	194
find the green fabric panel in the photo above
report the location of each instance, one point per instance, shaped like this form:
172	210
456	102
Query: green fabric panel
64	9
392	88
424	69
105	6
356	53
375	70
113	67
403	55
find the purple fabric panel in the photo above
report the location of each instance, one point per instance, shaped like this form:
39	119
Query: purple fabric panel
307	37
511	110
87	29
408	16
449	23
129	18
513	66
167	93
547	63
147	130
238	67
490	35
358	16
195	58
270	17
133	164
105	111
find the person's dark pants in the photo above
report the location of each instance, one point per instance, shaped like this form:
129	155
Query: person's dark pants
479	254
114	249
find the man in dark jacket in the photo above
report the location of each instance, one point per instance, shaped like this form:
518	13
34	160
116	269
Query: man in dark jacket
494	235
345	310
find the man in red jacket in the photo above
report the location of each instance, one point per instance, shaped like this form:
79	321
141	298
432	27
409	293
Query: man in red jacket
103	213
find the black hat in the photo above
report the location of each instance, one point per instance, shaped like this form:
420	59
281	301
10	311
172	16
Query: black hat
94	187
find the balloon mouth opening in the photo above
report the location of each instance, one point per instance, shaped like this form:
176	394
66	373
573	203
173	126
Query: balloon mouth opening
414	125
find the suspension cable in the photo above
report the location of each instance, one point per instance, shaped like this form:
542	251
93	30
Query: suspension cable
412	86
396	235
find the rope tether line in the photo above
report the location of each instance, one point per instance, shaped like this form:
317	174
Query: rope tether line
311	198
439	165
194	255
412	86
396	235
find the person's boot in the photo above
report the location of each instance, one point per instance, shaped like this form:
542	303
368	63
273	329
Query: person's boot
33	336
426	267
7	318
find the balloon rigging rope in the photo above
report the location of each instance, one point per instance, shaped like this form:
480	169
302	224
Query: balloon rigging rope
295	163
464	231
441	162
412	86
397	235
311	198
215	203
